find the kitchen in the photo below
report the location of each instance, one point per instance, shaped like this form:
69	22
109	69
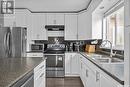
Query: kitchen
63	43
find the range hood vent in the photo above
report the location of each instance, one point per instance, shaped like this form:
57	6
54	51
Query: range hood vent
55	27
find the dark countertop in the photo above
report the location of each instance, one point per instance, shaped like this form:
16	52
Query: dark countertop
115	70
12	69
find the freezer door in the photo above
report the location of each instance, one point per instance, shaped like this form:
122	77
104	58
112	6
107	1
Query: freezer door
3	42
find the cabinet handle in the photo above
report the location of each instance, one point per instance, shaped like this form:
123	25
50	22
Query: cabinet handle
41	67
81	65
97	76
54	21
86	73
42	75
34	55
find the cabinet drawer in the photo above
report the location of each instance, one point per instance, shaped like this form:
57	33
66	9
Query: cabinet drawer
34	54
38	74
40	79
41	66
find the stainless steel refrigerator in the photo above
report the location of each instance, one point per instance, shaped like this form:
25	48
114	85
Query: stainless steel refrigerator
13	42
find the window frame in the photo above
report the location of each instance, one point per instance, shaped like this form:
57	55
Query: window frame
105	25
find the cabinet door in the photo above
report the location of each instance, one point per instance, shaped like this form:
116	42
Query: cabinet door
127	12
84	26
71	64
20	18
92	78
39	31
40	75
83	73
55	19
71	27
75	64
106	82
67	64
9	20
60	19
51	19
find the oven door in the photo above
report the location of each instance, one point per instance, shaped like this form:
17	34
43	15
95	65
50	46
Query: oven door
55	65
55	61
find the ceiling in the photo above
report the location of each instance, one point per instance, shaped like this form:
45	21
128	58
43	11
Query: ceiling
106	5
52	5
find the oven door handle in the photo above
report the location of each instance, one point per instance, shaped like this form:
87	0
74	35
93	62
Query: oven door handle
56	60
53	54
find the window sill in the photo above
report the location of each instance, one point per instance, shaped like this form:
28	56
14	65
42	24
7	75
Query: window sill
114	48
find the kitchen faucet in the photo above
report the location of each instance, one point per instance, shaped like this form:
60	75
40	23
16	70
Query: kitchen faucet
104	42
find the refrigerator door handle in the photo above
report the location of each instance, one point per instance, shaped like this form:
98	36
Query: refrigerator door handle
8	43
5	40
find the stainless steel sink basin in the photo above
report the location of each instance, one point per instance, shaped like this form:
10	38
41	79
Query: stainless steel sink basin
116	60
108	60
103	60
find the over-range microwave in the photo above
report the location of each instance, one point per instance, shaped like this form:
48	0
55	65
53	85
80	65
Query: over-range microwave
37	47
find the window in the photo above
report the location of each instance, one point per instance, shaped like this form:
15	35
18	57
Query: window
113	28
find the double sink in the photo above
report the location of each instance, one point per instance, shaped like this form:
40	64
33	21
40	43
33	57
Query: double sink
105	59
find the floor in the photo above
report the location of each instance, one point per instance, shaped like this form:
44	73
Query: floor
64	82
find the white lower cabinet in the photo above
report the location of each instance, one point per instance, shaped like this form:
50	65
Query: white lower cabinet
92	76
89	76
40	75
71	64
106	81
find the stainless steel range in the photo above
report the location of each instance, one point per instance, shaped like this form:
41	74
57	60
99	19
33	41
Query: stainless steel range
55	63
55	60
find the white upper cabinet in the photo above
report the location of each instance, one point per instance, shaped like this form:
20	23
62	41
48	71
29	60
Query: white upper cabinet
9	20
55	19
38	26
71	27
84	26
127	12
21	18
